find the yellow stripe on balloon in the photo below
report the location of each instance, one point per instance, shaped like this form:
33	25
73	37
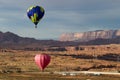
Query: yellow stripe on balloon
35	17
32	18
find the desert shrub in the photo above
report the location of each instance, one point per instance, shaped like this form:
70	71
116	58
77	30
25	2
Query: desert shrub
11	69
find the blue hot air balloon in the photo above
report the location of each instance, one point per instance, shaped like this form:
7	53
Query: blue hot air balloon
35	14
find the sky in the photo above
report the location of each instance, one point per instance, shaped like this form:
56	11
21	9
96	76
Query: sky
61	16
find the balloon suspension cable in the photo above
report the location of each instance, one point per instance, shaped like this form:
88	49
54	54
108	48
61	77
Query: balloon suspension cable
35	26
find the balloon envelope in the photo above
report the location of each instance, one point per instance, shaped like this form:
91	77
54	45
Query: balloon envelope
35	13
42	60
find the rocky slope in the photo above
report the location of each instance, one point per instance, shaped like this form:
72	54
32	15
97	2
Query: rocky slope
13	41
91	35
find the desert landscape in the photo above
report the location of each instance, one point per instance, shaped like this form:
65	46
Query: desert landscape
17	64
69	59
59	39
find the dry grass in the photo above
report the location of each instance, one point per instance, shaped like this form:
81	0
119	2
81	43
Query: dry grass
62	61
36	76
15	61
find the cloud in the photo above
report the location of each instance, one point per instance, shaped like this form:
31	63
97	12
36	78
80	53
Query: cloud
60	16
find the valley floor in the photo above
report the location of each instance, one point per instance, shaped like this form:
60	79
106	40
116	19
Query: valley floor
43	76
20	64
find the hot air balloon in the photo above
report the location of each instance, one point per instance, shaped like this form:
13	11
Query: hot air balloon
42	60
35	14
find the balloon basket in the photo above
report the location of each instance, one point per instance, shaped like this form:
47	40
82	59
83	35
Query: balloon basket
35	26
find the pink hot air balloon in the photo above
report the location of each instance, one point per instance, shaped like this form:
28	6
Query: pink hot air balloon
42	60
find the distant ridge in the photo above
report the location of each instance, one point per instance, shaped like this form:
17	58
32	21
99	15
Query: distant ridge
11	40
14	41
91	35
